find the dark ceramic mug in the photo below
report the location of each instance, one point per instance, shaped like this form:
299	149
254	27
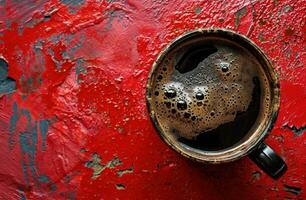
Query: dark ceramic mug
213	96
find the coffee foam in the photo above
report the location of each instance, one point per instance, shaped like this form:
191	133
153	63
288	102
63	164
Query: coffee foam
206	97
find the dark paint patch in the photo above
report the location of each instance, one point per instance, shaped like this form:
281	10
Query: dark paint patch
22	196
3	69
289	32
292	189
260	37
256	176
297	131
7	85
71	196
239	14
120	186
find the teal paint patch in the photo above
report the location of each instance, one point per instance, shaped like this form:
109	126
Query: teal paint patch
57	63
13	123
44	126
73	5
54	39
3	69
43	179
7	86
28	142
73	2
23	197
46	180
25	171
112	15
80	69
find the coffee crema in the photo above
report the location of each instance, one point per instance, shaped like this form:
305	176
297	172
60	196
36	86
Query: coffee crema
209	93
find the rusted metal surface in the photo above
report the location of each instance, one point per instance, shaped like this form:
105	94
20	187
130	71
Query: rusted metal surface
77	127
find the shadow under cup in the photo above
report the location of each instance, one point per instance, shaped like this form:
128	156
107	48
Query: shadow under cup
213	96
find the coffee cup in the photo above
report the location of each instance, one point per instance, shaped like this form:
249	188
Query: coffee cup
213	96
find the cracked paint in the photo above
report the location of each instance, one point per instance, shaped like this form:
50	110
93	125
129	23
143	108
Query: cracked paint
80	69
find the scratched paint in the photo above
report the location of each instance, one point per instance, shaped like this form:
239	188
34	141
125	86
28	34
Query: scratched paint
80	70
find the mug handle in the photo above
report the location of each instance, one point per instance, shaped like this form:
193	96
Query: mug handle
268	161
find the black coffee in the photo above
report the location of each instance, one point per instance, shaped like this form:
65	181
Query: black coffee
209	94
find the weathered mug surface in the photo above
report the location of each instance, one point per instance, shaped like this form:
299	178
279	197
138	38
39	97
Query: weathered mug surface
213	96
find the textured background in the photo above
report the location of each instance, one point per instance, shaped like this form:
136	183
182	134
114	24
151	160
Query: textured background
76	127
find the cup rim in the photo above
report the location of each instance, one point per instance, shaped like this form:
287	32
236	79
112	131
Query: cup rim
237	151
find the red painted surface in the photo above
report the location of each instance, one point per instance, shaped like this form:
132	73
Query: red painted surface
81	70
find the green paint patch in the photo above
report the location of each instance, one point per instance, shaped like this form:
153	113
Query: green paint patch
197	10
98	168
239	14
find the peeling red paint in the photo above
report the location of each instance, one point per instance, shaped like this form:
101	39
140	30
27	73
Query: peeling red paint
81	67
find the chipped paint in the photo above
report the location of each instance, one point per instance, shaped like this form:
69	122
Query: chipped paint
120	187
125	171
239	14
98	168
297	131
256	176
292	189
